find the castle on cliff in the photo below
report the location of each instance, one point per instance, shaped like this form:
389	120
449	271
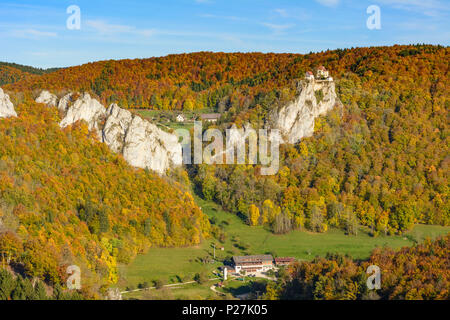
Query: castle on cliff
322	74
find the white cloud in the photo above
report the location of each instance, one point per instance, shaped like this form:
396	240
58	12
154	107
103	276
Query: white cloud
213	16
33	33
147	32
329	3
424	4
430	8
106	28
39	54
278	27
282	12
418	26
293	13
233	38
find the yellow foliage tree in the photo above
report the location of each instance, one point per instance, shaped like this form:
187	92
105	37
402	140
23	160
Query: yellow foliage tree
253	215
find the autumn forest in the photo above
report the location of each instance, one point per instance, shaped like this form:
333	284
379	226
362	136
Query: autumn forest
379	162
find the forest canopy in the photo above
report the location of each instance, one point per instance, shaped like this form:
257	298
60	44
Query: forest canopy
66	199
417	273
379	162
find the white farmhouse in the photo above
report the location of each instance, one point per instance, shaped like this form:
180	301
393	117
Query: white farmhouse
180	118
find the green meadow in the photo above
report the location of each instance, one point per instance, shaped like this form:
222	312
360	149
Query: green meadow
176	265
191	291
166	119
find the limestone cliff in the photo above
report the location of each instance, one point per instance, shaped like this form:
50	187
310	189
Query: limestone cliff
147	146
64	102
6	106
116	127
87	109
47	98
142	144
296	120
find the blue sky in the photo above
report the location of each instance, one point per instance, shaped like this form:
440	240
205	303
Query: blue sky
35	33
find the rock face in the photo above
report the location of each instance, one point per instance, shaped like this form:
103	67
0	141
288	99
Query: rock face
296	120
64	102
6	106
142	144
47	98
116	127
146	146
87	109
114	294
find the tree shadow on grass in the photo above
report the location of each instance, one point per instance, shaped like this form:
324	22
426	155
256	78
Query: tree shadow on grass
245	288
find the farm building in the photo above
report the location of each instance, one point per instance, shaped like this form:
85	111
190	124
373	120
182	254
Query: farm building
254	263
210	117
284	261
180	118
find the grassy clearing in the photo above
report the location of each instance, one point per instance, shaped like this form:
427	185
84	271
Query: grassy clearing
174	265
307	245
165	119
186	292
171	265
147	113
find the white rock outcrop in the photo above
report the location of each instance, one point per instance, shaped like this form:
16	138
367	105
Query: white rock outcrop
235	145
6	106
296	120
47	98
87	109
142	143
64	102
147	146
116	127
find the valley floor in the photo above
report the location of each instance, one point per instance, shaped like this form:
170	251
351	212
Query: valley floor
177	265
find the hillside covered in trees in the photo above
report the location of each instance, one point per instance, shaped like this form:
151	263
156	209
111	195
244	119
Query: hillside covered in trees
13	72
10	74
65	199
381	161
227	80
416	273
